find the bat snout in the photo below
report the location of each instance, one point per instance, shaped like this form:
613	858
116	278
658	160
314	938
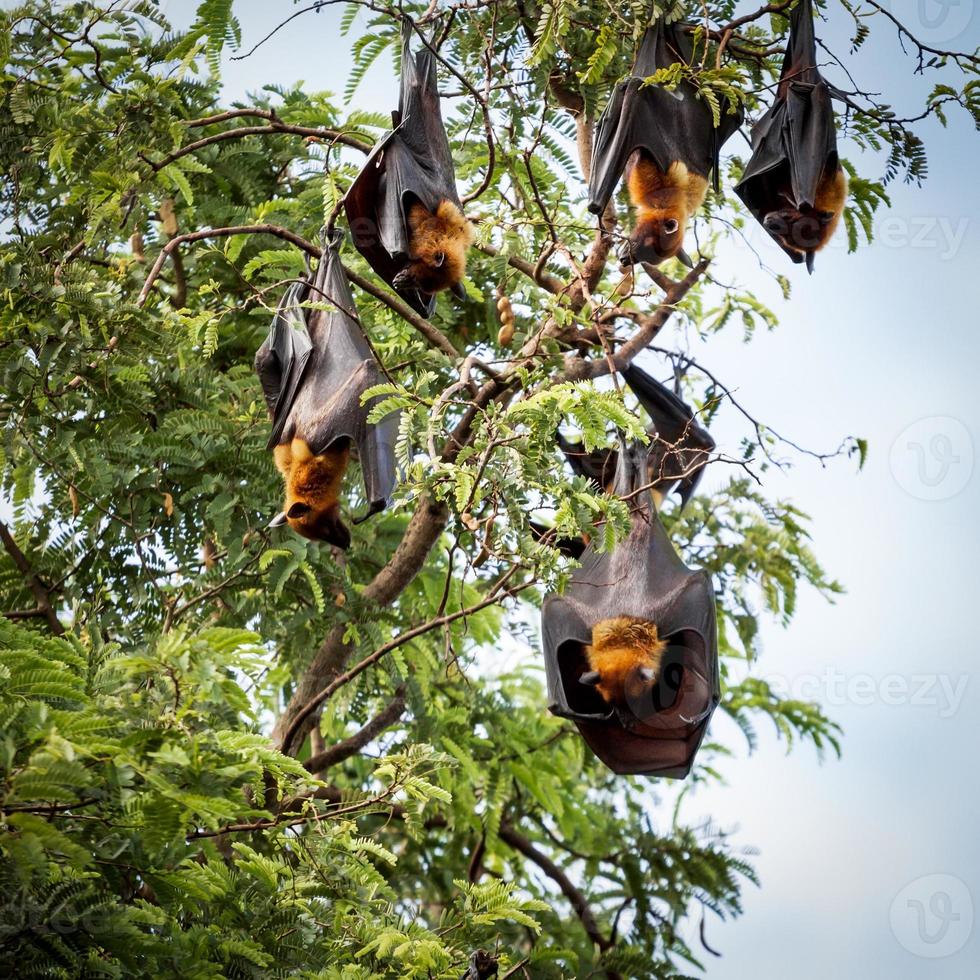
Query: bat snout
625	253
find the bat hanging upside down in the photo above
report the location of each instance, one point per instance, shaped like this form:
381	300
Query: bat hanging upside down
624	659
313	485
664	203
437	250
804	230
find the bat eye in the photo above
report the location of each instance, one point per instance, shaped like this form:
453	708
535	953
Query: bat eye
648	674
670	226
299	509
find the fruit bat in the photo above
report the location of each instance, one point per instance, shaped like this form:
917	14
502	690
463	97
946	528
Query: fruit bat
314	366
403	210
794	183
643	593
665	141
680	448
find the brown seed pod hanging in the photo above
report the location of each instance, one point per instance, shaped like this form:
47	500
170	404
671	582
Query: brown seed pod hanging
505	311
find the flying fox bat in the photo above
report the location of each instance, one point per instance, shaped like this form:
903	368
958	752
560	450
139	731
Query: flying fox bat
403	210
631	646
794	183
314	366
667	144
680	448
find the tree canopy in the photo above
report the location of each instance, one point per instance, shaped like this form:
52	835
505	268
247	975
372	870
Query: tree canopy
228	751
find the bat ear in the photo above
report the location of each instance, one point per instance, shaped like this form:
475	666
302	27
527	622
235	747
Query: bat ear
685	259
297	510
438	259
278	520
809	262
459	291
590	678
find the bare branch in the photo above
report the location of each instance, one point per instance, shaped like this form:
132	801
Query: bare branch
351	746
578	901
42	594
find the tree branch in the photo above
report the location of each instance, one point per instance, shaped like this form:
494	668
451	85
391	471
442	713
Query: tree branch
578	901
650	324
303	714
423	531
352	745
275	126
42	593
435	336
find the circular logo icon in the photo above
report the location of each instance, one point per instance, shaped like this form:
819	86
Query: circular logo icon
932	459
933	21
932	917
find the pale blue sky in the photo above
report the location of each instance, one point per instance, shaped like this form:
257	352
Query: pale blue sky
873	343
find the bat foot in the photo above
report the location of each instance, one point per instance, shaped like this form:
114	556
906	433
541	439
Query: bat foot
403	280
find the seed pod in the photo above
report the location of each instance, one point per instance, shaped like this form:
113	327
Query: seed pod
505	312
168	217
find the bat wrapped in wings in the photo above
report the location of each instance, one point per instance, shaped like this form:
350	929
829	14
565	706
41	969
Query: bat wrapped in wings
666	142
403	210
314	366
631	646
679	451
794	183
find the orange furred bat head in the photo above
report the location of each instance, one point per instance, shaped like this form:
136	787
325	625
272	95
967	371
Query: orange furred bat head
313	485
624	659
318	524
657	237
800	229
438	247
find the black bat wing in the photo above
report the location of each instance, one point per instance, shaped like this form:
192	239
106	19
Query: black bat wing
681	447
283	358
413	162
669	125
569	547
341	368
795	142
598	466
643	577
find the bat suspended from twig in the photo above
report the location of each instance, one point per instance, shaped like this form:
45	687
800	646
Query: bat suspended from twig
794	183
666	142
631	646
314	366
403	209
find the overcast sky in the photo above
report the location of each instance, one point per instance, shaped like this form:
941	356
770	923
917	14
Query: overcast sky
868	864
